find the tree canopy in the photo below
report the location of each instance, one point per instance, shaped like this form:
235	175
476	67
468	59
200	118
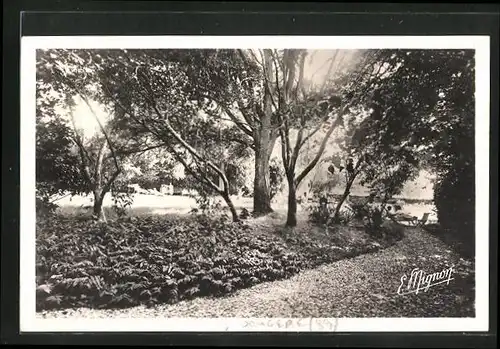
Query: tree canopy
388	114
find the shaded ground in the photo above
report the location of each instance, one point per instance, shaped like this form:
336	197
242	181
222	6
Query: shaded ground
364	286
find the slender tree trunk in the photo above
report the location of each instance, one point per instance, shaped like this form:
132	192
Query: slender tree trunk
99	214
291	220
223	169
347	191
230	204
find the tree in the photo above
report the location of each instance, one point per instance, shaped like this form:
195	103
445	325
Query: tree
423	108
302	110
56	163
406	102
63	81
369	155
230	84
151	91
237	85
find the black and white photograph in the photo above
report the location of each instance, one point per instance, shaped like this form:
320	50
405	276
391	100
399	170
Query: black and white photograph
254	183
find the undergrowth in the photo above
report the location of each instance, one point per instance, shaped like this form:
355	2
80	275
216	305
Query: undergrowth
162	259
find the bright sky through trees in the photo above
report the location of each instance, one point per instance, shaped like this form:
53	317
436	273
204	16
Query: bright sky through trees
317	66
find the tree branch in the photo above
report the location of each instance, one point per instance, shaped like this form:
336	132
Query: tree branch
84	155
300	83
103	130
136	151
323	86
238	123
297	147
286	133
313	132
111	180
186	145
268	91
250	119
276	79
284	150
98	165
322	147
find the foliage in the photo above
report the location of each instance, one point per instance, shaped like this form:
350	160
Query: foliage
373	220
315	293
57	164
207	205
319	214
345	217
63	81
121	201
156	97
415	110
360	210
236	176
245	214
454	199
163	260
276	176
324	214
44	207
423	112
151	169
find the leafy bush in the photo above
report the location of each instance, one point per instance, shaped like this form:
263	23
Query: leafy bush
125	263
360	210
121	201
324	214
44	207
373	220
319	214
454	199
345	217
206	203
392	232
245	214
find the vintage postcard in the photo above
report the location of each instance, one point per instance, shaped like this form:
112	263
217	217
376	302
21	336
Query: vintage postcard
254	183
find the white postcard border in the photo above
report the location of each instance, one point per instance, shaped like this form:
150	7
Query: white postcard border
28	321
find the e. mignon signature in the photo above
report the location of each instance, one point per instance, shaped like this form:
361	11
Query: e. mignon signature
420	280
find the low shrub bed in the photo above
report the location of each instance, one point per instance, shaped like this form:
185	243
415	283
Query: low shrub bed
151	260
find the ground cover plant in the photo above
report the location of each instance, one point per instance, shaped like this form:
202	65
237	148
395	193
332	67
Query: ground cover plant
165	259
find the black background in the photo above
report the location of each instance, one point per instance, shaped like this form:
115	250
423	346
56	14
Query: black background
234	18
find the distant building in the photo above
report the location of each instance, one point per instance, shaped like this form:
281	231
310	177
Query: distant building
167	189
136	188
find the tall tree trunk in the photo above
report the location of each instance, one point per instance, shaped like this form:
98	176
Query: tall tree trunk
291	220
230	204
264	140
261	192
99	214
347	191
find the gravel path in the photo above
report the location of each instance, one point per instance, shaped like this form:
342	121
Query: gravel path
364	286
